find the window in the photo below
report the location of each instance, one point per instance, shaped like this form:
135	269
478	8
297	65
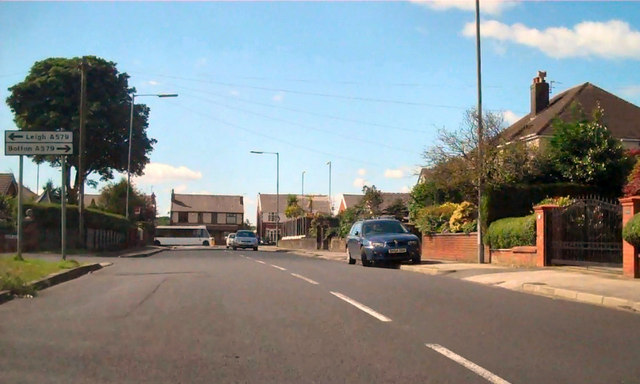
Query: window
272	216
214	218
232	218
183	217
200	221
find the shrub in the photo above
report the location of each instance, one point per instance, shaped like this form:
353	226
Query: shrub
462	217
632	187
561	201
631	231
435	218
16	285
512	232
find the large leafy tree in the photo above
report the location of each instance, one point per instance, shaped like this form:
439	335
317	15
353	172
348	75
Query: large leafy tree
48	99
583	151
114	195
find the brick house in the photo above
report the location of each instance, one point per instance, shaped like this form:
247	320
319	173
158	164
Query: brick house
222	214
267	213
621	117
9	187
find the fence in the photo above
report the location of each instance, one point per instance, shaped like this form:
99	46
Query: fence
296	227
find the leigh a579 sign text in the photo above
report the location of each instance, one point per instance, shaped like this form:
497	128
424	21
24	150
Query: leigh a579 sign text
38	143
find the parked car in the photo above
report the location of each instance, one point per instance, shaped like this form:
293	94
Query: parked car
231	240
246	239
382	240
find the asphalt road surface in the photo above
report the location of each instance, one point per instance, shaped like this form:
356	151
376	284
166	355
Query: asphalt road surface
218	316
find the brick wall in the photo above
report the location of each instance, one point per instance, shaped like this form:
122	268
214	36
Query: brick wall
515	257
337	245
451	246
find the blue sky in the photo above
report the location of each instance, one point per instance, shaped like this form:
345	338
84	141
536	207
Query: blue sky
365	85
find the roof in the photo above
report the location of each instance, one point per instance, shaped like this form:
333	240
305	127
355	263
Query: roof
6	181
310	203
207	203
388	198
621	117
89	198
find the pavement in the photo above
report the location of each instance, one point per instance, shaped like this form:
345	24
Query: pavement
598	286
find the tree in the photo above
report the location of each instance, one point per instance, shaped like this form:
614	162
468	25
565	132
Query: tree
113	196
371	201
48	99
53	191
397	209
293	209
583	151
453	160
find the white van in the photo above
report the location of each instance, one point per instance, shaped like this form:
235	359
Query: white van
182	235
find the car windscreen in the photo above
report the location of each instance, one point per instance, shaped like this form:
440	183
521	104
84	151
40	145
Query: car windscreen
245	234
379	227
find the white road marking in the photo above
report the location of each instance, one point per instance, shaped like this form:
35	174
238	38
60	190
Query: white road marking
260	261
361	307
308	280
280	268
475	368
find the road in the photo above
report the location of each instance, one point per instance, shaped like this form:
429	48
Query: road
218	316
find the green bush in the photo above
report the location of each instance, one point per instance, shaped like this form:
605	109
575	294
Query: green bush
462	217
435	218
631	231
512	232
48	216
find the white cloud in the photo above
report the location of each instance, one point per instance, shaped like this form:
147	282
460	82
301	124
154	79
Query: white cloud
394	173
510	117
234	92
152	82
359	182
493	7
362	171
613	39
278	97
156	173
405	189
182	188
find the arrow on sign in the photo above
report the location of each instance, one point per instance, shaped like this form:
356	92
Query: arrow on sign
66	148
13	136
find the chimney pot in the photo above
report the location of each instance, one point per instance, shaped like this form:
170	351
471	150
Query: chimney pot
539	93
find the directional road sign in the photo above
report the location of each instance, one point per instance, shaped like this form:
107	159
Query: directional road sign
38	143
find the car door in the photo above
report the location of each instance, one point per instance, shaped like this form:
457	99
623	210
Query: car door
354	240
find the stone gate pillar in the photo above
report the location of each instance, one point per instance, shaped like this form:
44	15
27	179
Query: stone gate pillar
541	212
630	262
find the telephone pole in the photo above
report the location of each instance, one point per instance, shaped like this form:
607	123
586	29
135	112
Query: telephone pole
81	157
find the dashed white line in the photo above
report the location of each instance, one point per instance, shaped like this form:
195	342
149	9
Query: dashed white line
260	261
475	368
361	307
277	267
308	280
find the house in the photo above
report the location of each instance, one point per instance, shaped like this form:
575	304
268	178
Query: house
221	214
9	187
388	198
621	117
269	205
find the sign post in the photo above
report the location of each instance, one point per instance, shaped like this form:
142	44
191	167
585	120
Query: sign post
30	143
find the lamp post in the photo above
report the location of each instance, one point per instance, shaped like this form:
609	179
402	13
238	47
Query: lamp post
277	189
330	204
133	102
480	133
303	172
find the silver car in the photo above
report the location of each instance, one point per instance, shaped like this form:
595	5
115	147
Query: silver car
231	240
246	239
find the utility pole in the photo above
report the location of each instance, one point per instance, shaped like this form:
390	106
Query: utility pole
81	157
480	165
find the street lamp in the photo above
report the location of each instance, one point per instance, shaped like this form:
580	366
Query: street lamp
277	188
303	172
133	101
330	205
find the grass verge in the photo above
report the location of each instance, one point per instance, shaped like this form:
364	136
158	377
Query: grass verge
15	274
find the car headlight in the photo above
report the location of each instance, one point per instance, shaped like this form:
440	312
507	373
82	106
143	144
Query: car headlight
376	244
413	242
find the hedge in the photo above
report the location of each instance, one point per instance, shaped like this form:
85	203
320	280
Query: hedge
517	200
512	232
631	231
48	216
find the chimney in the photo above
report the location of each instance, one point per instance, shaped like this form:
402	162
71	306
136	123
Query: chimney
539	93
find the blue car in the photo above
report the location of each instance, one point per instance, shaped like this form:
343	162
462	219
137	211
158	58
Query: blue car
382	240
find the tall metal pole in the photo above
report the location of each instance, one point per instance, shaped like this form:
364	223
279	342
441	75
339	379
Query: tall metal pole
20	213
330	203
126	210
277	197
81	157
303	183
480	165
63	210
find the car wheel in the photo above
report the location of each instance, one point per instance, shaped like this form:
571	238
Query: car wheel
255	248
234	248
350	259
365	262
205	243
156	242
416	260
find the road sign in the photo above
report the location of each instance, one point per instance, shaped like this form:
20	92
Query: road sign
38	143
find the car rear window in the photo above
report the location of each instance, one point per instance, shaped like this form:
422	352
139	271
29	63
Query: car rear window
245	234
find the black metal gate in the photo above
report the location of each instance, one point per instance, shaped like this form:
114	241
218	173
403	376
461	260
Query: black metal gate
587	232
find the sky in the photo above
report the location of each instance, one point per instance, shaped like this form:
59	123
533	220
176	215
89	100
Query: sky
363	85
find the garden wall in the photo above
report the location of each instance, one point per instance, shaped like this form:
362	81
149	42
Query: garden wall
308	243
515	257
337	245
452	246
